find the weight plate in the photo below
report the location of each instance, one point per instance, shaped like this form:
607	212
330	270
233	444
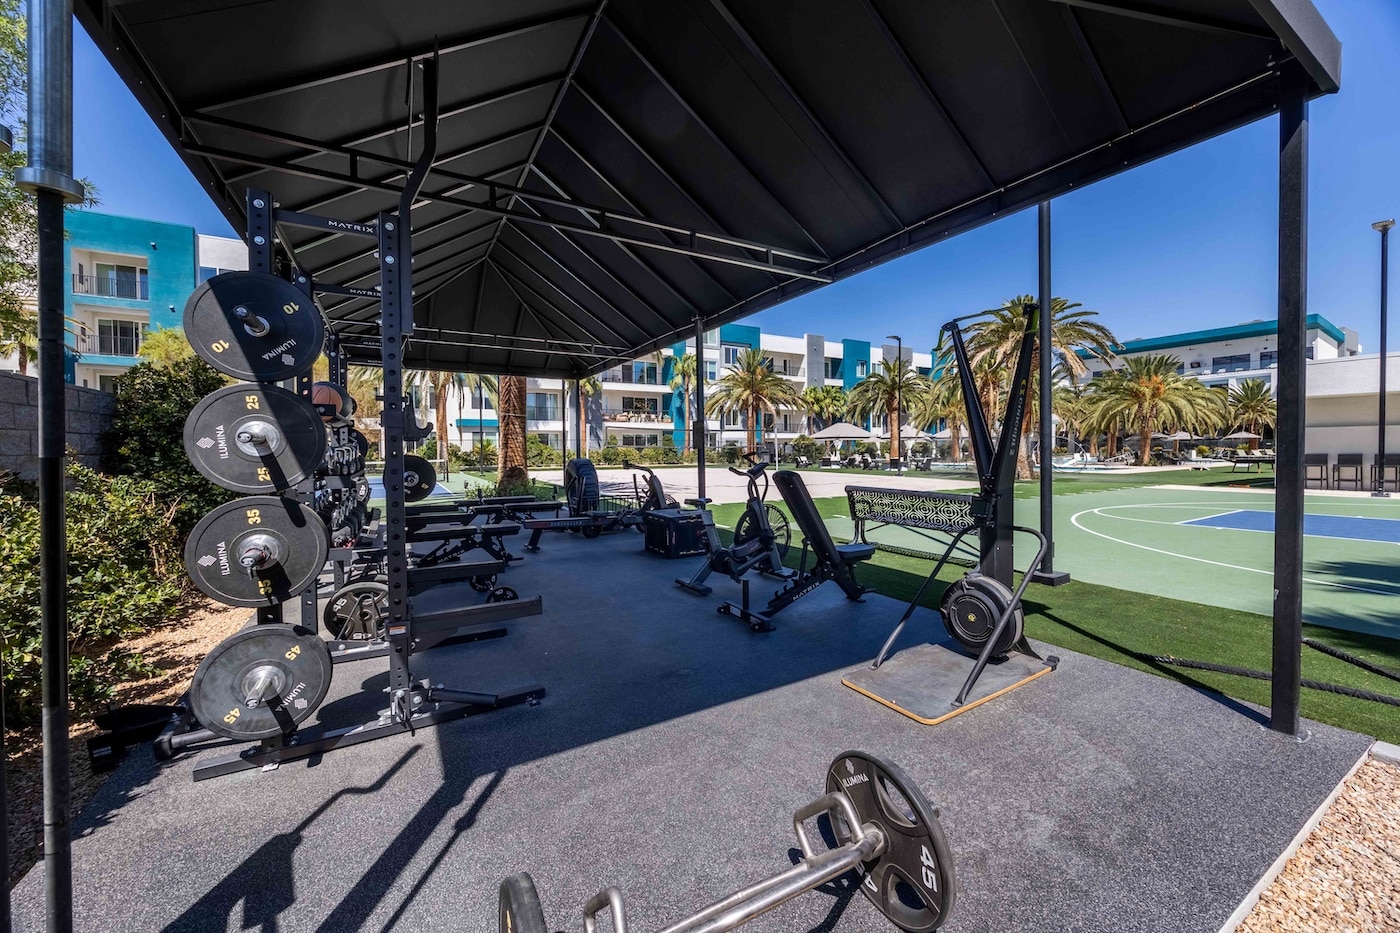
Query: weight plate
419	478
520	906
252	438
283	542
356	611
970	609
483	582
260	682
361	489
502	594
254	326
912	883
360	441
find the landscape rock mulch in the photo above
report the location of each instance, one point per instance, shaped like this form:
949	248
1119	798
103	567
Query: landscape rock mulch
1345	878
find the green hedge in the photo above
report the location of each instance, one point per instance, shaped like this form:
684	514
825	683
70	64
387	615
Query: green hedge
125	575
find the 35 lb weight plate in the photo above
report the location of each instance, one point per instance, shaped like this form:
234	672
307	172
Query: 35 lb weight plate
256	551
252	438
254	326
971	607
260	682
419	478
912	882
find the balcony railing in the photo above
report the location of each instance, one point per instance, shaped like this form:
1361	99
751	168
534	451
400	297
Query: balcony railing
636	417
628	376
111	286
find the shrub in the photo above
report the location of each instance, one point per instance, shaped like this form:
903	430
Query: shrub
729	453
429	449
804	446
612	455
514	482
1202	450
147	425
651	455
539	454
458	459
125	575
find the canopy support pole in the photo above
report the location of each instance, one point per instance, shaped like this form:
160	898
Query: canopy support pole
1046	574
1292	393
697	427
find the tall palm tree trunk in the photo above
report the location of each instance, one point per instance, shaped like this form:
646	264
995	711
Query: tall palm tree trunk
685	414
440	424
514	466
582	422
753	427
893	415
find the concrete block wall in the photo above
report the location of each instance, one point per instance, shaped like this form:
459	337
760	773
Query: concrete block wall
89	417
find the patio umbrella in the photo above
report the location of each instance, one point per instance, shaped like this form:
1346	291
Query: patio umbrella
945	435
907	432
842	431
1176	440
1244	436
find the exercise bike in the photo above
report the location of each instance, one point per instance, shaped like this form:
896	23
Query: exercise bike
761	536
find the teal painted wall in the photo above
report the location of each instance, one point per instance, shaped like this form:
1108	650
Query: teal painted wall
170	254
740	334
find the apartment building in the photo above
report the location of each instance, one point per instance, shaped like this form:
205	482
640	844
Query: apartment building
124	277
1226	356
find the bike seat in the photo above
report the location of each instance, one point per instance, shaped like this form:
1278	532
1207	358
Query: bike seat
699	503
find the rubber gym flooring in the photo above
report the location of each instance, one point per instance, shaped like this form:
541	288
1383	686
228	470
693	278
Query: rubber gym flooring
668	757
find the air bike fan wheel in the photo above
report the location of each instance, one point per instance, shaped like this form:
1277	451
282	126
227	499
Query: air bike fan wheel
971	608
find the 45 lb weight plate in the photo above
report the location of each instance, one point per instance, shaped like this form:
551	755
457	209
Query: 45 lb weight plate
254	326
252	438
256	551
260	682
912	882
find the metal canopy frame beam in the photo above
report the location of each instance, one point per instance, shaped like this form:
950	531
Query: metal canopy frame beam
1169	16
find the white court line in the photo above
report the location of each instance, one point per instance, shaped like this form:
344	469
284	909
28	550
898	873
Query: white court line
1074	520
1206	518
1104	510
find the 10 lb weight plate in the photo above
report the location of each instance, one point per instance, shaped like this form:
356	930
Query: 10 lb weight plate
252	438
256	551
254	326
419	478
912	882
260	682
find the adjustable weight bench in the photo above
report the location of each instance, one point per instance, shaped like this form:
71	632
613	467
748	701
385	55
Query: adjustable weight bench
831	561
454	540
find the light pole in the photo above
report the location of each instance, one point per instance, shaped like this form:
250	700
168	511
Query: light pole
1384	227
898	400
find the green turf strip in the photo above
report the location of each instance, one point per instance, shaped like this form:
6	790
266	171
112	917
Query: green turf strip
1120	626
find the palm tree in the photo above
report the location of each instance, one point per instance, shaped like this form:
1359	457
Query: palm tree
588	387
894	385
166	346
999	337
943	405
19	333
1252	407
1070	402
826	404
749	385
1148	391
682	375
515	473
441	387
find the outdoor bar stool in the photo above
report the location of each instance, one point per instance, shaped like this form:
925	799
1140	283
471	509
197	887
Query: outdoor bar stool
1390	478
1315	468
1347	469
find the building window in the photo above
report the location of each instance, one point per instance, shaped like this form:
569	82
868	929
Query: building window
119	338
208	272
1238	362
787	423
636	403
861	369
1309	353
1181	369
111	280
711	370
712	338
1268	358
644	373
541	406
833	367
732	419
106	382
641	440
731	354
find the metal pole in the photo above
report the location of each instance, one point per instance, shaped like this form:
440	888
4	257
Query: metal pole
899	404
1292	371
1047	434
697	431
49	175
1384	227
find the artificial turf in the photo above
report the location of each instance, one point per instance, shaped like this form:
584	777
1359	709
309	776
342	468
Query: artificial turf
1124	627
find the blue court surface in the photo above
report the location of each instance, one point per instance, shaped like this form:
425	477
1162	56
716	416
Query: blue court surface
1318	526
376	489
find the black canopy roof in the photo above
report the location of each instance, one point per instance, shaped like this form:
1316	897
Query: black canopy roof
769	146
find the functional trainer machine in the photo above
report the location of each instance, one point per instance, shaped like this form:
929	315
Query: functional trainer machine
885	830
981	612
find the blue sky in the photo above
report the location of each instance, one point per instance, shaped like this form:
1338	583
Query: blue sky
1186	242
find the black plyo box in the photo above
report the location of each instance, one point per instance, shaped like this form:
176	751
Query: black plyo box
675	532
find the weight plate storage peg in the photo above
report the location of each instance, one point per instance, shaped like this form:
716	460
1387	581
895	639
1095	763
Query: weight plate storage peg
252	438
256	551
261	682
912	882
419	478
254	326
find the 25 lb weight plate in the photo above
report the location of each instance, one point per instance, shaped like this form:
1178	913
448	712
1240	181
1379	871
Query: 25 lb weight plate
260	682
971	608
252	438
256	551
912	882
357	610
254	326
419	478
